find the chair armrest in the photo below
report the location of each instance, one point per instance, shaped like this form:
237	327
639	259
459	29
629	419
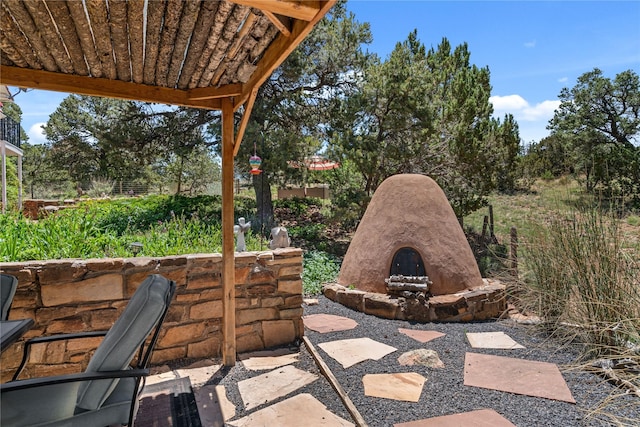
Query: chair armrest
80	377
51	338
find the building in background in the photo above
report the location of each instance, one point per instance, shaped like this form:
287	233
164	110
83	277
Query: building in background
9	146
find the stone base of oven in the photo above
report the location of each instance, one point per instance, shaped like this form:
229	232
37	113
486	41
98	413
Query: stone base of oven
483	302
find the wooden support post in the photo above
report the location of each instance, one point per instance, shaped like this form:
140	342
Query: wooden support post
485	224
228	252
513	254
492	236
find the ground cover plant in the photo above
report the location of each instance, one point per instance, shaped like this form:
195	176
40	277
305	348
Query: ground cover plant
164	225
319	268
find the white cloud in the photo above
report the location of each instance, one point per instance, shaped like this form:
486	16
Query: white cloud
36	134
509	102
532	120
521	110
530	44
563	79
541	111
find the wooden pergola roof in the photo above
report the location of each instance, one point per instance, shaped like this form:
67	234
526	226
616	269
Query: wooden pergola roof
190	53
211	54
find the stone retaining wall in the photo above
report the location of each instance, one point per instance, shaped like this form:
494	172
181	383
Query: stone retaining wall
34	208
65	296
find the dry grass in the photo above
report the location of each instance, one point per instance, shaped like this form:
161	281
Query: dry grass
580	272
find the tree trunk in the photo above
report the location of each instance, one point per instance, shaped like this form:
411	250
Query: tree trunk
264	219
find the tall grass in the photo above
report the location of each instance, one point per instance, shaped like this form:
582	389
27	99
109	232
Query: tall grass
580	276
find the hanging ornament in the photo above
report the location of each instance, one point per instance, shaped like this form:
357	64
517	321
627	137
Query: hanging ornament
255	162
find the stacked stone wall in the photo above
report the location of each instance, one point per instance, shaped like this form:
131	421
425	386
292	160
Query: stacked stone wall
68	296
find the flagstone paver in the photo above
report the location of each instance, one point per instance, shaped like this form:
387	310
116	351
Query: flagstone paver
498	340
324	323
400	386
421	336
422	357
479	418
352	351
271	359
160	378
272	385
198	375
531	378
214	407
300	410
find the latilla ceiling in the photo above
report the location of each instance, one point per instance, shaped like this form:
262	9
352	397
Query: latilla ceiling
182	52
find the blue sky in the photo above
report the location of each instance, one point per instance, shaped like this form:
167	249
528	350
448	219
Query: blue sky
532	48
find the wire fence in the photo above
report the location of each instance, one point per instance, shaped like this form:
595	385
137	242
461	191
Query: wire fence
58	190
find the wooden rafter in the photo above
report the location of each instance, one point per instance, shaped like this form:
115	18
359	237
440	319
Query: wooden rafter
76	10
280	49
185	30
227	91
98	15
33	36
135	15
37	79
67	28
198	41
170	27
282	23
304	10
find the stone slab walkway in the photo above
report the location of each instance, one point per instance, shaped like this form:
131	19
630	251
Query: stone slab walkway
441	385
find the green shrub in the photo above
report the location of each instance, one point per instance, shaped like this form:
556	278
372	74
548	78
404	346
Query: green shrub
296	206
307	232
547	175
319	268
100	188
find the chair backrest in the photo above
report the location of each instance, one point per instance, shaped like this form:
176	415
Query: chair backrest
146	309
8	286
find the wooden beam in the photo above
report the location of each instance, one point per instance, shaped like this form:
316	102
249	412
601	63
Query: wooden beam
279	22
326	371
305	10
280	49
228	252
248	107
214	92
84	85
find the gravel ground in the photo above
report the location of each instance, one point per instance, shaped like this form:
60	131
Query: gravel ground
444	392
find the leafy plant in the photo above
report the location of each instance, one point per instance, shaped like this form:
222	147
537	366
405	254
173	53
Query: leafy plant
633	220
319	268
107	228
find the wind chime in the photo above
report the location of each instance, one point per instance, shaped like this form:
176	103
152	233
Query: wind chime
255	162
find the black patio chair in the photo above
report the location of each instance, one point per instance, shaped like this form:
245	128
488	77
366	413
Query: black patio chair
107	392
8	286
